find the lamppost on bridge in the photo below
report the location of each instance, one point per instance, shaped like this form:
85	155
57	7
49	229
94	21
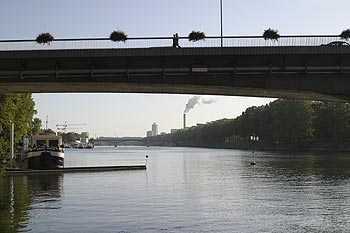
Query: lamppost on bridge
221	23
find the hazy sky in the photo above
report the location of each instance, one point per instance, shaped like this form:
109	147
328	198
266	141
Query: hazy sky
133	114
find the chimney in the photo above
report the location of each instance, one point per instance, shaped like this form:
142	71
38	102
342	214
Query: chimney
184	120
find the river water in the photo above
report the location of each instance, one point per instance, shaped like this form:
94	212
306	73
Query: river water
183	190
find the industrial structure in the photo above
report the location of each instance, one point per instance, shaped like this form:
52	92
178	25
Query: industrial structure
63	127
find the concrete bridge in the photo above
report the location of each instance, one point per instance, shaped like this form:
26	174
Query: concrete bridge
306	67
111	141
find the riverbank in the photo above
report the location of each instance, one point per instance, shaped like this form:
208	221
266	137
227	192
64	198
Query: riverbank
298	147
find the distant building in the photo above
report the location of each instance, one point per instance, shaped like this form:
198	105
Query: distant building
85	137
149	133
174	130
154	129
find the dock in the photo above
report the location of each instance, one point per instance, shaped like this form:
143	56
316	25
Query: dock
15	171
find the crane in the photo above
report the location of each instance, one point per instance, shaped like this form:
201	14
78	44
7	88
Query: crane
63	127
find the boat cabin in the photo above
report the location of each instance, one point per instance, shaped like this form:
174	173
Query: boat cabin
46	141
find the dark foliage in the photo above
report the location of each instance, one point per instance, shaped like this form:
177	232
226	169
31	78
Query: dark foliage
44	38
69	137
281	121
345	35
271	34
17	109
196	36
118	36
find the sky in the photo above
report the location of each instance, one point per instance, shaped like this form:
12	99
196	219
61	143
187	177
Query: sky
133	114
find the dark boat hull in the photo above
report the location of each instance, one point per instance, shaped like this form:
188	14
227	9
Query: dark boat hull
45	160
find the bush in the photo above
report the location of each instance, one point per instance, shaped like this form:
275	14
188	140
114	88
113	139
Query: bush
271	34
44	38
117	36
196	36
345	35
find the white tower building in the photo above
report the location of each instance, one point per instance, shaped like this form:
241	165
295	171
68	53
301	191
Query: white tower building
154	129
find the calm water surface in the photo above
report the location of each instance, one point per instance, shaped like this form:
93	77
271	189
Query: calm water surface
183	190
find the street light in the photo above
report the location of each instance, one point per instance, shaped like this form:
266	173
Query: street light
221	23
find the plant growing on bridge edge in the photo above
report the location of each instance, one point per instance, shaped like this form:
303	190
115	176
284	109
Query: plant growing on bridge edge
345	35
44	38
271	34
196	36
117	36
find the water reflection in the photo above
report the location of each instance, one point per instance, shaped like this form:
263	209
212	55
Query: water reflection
320	166
184	190
306	192
21	194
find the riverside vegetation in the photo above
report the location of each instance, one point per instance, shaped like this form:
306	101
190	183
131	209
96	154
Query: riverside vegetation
18	109
291	123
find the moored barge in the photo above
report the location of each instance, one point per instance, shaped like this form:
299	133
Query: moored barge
45	152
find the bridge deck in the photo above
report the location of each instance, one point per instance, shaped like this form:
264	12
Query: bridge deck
309	72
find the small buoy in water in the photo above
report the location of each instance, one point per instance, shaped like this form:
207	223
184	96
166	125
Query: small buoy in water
252	163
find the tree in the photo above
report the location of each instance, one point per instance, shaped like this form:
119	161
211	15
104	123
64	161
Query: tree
70	137
291	120
36	126
17	109
345	35
47	131
332	121
271	34
118	36
195	36
84	135
44	38
281	121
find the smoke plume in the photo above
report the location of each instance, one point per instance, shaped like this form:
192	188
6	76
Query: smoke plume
197	100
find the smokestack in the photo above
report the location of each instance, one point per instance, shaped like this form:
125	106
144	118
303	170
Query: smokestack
184	120
197	100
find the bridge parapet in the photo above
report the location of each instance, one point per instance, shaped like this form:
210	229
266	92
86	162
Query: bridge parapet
154	42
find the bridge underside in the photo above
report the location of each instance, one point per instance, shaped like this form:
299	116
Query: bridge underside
168	88
321	73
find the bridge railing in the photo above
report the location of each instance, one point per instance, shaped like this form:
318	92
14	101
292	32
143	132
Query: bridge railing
157	42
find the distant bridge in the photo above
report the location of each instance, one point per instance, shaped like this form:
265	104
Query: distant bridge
119	141
292	67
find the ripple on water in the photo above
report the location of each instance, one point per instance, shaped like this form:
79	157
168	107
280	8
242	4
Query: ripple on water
183	190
